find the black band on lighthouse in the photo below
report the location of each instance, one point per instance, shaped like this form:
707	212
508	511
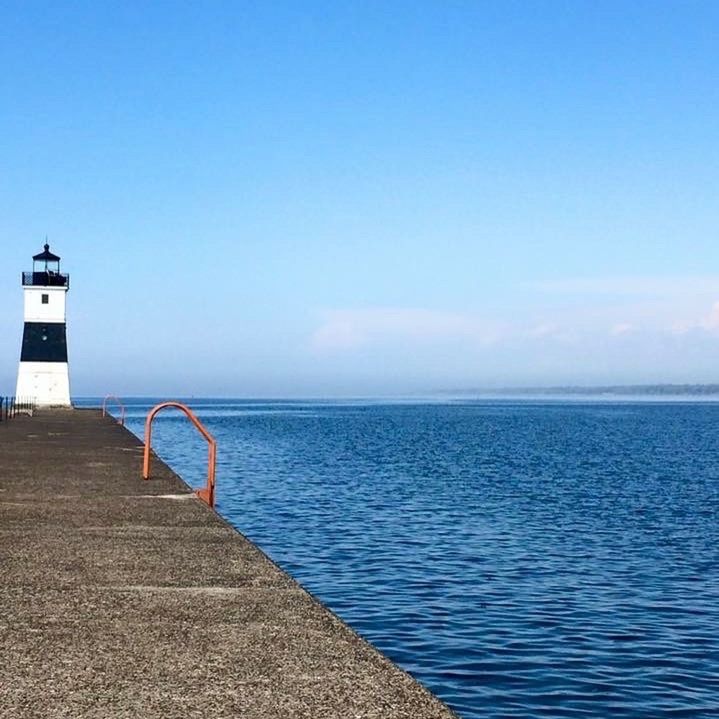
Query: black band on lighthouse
44	342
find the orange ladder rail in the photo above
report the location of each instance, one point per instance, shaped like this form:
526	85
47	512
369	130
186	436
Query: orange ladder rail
208	493
117	401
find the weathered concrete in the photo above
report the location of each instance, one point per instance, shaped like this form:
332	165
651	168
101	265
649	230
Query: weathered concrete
124	598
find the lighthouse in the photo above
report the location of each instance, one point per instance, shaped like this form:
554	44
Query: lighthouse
43	374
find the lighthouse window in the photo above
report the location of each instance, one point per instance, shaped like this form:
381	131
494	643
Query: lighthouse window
45	299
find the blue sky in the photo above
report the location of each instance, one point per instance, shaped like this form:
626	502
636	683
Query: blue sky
352	198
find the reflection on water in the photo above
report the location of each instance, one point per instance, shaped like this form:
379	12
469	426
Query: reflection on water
521	559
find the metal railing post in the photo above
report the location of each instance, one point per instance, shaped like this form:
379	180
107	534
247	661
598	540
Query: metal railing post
117	401
207	494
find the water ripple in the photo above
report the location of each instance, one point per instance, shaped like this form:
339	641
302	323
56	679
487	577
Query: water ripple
520	559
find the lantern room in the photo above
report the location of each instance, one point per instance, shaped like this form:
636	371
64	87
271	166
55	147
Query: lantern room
45	271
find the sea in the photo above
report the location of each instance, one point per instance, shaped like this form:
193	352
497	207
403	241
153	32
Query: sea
520	558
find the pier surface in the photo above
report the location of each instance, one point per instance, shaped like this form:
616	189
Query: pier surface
125	598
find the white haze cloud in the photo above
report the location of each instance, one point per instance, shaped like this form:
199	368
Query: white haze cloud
593	331
350	329
708	323
711	322
346	330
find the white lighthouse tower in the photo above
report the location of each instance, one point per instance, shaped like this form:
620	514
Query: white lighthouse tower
43	374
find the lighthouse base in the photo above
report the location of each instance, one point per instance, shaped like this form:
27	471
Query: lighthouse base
45	383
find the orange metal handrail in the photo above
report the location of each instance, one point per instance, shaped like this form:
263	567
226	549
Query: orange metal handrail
117	401
208	493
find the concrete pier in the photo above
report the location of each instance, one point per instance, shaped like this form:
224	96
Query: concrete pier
132	599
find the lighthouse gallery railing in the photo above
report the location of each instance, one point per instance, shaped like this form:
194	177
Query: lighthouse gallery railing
45	279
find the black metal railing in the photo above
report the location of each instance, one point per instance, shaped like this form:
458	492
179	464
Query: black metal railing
46	279
13	406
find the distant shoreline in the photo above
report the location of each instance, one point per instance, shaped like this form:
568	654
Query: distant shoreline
645	390
707	392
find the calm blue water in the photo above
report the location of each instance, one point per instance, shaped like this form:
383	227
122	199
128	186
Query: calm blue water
521	559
